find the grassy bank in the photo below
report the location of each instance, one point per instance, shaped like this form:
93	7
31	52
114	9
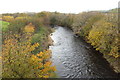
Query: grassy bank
4	25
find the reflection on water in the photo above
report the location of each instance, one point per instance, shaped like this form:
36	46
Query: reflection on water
74	59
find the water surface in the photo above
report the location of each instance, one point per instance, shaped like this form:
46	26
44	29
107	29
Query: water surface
75	59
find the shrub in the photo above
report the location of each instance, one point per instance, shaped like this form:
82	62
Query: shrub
19	62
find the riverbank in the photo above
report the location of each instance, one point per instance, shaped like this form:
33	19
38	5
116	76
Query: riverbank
74	58
111	60
97	28
114	62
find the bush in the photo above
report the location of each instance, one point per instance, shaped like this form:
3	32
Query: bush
19	61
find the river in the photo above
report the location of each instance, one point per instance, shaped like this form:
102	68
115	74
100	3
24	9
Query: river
74	58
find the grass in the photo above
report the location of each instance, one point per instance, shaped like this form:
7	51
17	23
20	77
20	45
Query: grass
4	25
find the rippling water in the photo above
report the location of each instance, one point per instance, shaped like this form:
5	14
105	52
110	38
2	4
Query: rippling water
75	59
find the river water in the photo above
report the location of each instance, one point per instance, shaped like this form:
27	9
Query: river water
74	58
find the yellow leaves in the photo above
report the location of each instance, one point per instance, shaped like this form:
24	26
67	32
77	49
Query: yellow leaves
53	68
48	51
10	41
46	76
15	53
8	18
40	65
42	61
34	57
114	52
40	54
45	70
29	28
16	35
46	54
17	56
97	49
103	36
94	37
0	57
47	64
36	45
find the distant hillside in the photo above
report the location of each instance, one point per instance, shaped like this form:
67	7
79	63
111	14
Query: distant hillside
113	10
107	11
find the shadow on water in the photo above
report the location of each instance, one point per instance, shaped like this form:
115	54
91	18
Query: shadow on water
76	59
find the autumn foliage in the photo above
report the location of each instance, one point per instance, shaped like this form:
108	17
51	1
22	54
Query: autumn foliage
19	62
18	57
100	29
8	18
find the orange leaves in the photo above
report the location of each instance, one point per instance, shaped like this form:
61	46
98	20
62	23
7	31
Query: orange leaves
18	57
46	54
40	54
47	64
53	68
36	45
41	61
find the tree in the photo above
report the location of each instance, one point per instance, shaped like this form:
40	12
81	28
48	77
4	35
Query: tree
19	61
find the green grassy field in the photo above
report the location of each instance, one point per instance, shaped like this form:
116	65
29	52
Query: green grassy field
4	25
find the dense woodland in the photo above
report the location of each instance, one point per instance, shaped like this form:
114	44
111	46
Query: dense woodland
25	39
